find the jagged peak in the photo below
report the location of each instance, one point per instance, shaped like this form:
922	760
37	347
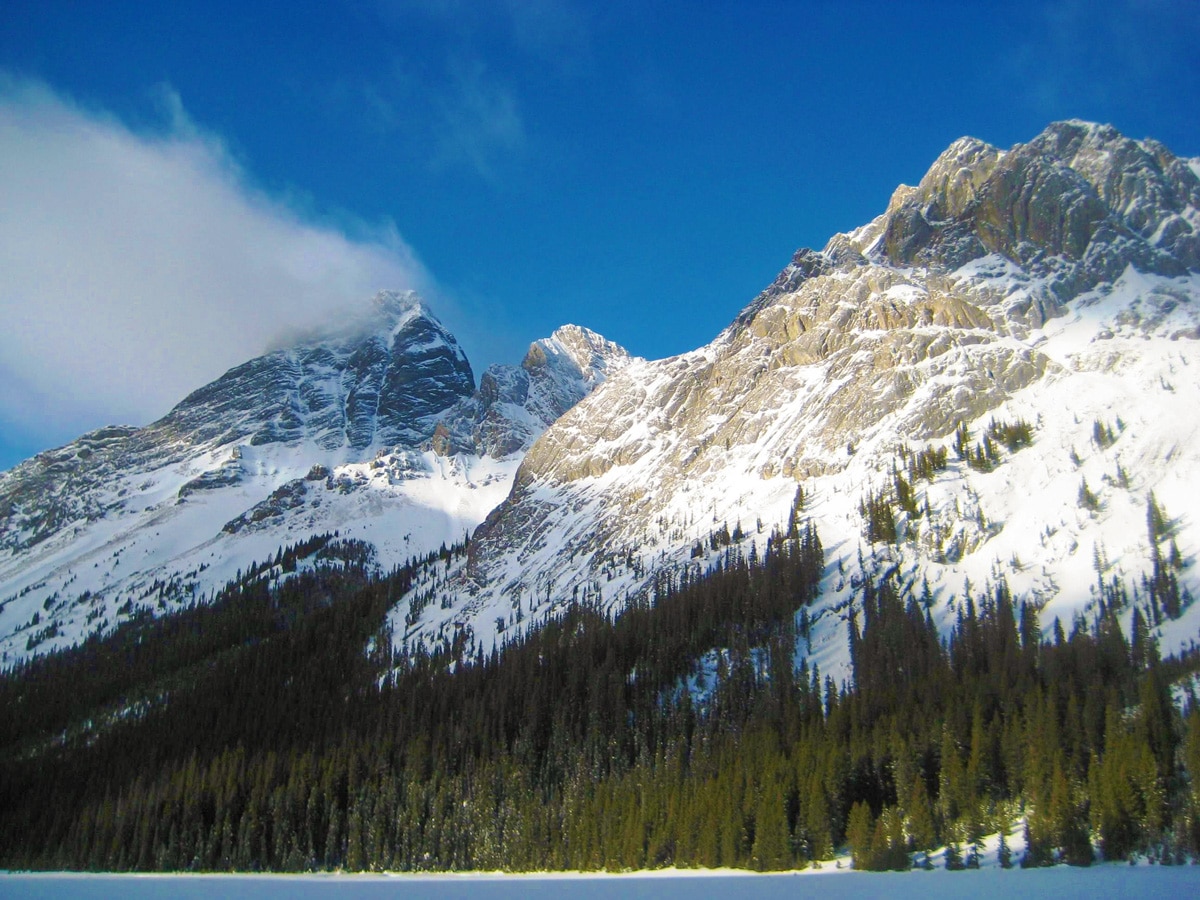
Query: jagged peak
406	313
583	349
1081	130
393	311
966	153
575	333
1083	125
385	315
1100	153
588	347
514	404
1048	199
1089	146
397	304
955	176
945	189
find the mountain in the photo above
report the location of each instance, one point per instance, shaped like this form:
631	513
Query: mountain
880	570
989	382
1036	305
373	429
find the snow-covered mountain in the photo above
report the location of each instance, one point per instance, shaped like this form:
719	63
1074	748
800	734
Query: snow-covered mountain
373	430
986	382
1046	299
514	404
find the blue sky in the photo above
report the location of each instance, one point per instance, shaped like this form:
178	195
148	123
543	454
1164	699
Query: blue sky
641	168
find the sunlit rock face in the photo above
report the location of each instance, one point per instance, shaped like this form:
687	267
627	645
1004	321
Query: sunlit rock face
1054	282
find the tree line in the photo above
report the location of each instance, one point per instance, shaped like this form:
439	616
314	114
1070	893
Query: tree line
277	729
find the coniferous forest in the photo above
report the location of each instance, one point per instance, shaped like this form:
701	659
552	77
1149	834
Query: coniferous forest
276	729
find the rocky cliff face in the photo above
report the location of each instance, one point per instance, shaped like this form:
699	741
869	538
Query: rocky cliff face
1054	283
1077	204
381	380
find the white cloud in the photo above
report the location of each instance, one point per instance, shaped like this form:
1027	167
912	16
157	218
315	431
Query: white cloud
136	267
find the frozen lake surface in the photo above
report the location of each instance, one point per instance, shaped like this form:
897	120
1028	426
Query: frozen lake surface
1092	884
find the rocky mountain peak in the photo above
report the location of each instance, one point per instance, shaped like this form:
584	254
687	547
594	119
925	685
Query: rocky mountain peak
1047	284
1153	192
396	304
515	404
379	380
1081	201
579	350
370	383
953	182
397	312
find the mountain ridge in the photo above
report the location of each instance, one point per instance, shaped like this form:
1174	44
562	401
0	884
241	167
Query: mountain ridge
1051	287
1004	288
902	563
337	431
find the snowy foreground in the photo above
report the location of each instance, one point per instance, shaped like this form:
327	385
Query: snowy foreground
1060	882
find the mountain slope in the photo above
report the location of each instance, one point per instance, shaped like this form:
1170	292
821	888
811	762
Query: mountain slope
336	433
1053	285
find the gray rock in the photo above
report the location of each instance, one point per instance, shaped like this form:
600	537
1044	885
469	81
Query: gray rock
1080	200
515	404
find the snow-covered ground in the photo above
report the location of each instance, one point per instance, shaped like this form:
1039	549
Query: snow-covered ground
1061	883
833	879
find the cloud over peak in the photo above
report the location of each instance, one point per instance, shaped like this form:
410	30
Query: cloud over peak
137	265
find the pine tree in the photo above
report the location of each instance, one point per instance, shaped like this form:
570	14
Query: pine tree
1157	523
770	851
817	826
962	441
1191	766
1003	851
1087	498
921	825
860	832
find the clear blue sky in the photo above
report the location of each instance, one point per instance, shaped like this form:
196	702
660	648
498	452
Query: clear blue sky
641	168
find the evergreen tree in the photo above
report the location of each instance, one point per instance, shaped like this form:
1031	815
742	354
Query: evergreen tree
771	843
860	832
283	745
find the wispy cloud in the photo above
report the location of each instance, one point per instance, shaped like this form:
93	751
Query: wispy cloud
457	117
558	31
135	267
459	72
545	28
1075	46
479	123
